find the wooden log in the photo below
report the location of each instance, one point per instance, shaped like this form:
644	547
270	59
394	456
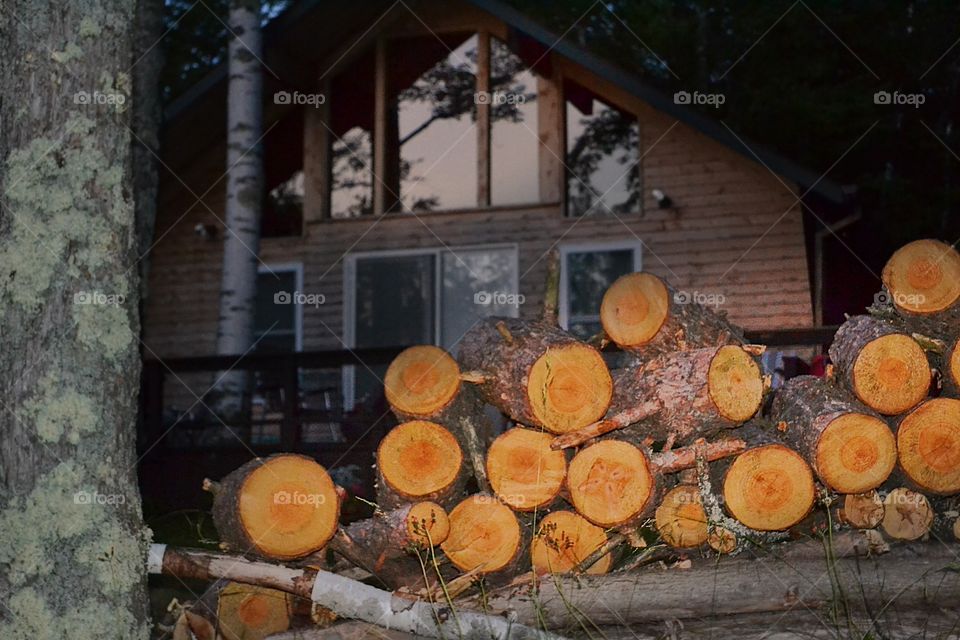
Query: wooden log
928	446
565	539
849	447
682	395
680	518
392	545
907	515
537	374
644	315
347	598
524	472
419	461
285	506
425	383
862	510
611	483
484	537
907	578
922	280
769	488
615	483
950	370
250	612
885	369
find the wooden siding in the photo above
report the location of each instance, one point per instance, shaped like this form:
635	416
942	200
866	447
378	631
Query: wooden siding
736	230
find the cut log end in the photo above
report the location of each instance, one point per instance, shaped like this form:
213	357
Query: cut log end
565	539
862	510
953	365
484	535
855	453
891	374
907	514
523	470
288	506
769	488
722	540
610	482
634	308
421	381
923	277
681	519
427	524
247	612
419	459
928	442
735	383
569	387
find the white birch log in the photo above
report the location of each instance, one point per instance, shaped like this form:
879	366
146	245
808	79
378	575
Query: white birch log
344	596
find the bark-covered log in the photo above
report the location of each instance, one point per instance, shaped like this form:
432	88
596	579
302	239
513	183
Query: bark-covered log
922	280
907	578
849	447
682	395
565	539
395	545
285	506
424	383
485	536
419	461
642	314
886	369
928	446
537	374
524	471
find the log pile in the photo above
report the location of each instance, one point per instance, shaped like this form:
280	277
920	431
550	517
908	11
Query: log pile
679	454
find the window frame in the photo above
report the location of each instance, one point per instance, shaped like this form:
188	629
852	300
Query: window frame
349	311
594	246
297	269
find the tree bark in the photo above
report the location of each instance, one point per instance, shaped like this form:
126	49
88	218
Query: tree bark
679	395
241	242
147	114
884	368
950	370
536	373
849	447
71	562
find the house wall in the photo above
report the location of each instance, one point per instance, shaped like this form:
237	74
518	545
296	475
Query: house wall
735	230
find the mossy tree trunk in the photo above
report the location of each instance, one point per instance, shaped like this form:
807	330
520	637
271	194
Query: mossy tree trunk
72	558
241	238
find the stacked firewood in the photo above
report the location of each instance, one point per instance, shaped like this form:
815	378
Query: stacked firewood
684	446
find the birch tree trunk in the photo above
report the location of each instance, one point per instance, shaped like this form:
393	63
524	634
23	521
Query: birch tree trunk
146	114
73	540
241	242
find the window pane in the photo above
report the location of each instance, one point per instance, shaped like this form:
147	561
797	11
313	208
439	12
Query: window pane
589	276
602	142
282	213
436	112
394	301
275	322
514	151
351	124
476	283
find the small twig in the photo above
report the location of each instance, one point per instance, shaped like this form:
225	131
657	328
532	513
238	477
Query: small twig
551	296
612	543
475	377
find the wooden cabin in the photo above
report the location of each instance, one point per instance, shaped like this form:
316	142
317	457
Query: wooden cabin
422	160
